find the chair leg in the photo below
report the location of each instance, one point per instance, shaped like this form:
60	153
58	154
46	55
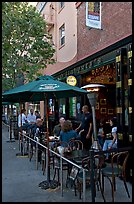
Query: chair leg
58	175
79	188
75	189
112	187
54	173
126	187
102	192
102	182
114	184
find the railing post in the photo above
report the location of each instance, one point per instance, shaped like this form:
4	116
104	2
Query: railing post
92	175
61	176
23	147
29	148
36	156
47	164
84	186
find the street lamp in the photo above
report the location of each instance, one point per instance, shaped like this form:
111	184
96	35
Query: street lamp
93	90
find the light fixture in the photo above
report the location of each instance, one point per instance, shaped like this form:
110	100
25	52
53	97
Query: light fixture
93	90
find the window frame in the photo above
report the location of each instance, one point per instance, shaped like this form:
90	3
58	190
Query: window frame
62	35
61	5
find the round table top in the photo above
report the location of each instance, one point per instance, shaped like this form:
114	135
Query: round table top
76	154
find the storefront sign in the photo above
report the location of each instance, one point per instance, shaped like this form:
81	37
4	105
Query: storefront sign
71	80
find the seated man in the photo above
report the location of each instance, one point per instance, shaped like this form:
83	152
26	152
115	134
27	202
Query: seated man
57	128
37	114
31	117
38	132
22	120
37	128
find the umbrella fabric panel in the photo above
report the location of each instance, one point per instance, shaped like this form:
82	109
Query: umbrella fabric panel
39	96
37	90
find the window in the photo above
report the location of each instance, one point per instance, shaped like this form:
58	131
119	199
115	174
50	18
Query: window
62	35
40	6
61	5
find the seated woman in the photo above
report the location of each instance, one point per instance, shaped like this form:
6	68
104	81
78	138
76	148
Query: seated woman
101	134
111	140
66	134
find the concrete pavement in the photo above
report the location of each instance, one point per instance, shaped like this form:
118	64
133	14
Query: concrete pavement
20	180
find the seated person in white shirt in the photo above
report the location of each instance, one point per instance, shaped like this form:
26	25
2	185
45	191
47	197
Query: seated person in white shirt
22	120
111	142
31	117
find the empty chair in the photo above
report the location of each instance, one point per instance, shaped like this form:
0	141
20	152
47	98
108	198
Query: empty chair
116	168
98	163
60	147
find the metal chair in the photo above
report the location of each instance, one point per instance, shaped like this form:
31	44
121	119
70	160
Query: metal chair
75	144
65	165
116	168
98	163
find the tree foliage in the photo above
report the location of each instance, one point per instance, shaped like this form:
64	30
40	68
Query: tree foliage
26	44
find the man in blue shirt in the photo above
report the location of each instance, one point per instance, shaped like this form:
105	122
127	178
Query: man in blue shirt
85	128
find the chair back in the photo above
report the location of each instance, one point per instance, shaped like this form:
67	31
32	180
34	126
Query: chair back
98	162
75	144
119	160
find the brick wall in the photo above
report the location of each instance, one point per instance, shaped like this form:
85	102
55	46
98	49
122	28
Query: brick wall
116	25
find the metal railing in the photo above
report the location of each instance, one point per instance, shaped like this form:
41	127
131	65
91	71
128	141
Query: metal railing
92	153
22	149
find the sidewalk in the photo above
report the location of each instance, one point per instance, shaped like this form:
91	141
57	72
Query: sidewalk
20	180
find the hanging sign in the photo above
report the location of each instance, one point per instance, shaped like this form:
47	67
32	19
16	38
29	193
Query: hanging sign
71	80
93	14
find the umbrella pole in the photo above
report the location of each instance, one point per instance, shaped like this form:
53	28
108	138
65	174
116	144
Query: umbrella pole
20	133
47	130
48	183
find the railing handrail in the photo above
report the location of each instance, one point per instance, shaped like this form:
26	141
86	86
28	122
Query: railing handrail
59	155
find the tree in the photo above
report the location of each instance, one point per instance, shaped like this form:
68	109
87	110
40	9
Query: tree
26	44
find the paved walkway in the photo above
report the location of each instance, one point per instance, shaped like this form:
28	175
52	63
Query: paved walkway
20	180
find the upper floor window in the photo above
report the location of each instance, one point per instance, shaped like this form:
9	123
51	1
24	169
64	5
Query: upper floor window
40	6
61	5
62	34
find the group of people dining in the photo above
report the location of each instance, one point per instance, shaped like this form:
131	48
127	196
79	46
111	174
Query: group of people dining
107	131
31	122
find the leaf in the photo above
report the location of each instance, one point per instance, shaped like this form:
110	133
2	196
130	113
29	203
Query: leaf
26	45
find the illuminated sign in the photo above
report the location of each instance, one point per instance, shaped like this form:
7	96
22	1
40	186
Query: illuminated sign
71	80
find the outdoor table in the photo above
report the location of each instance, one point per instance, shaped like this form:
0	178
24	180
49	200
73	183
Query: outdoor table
51	139
77	154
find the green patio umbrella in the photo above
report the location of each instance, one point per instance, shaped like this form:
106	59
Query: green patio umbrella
42	89
34	91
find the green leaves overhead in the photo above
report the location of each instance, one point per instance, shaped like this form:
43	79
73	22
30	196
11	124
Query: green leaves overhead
26	44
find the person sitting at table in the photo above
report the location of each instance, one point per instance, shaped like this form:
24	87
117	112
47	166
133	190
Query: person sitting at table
31	117
66	134
37	114
22	120
57	128
37	130
111	139
101	133
38	127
